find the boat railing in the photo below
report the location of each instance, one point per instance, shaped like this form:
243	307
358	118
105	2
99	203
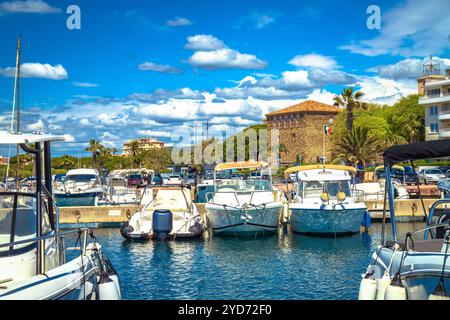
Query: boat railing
82	239
358	195
431	213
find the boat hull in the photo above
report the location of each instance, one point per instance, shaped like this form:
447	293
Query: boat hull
244	222
327	220
420	272
75	280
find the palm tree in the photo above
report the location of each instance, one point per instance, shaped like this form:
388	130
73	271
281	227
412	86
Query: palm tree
103	154
135	148
94	148
359	145
350	100
67	162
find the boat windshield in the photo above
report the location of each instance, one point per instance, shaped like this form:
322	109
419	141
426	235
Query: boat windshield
80	178
238	185
17	220
313	189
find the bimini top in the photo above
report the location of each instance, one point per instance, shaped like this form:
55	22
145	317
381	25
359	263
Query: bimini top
84	171
318	166
14	138
416	151
241	165
393	167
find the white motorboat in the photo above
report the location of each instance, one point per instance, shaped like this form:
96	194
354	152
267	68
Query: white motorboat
323	202
412	268
81	187
171	214
33	263
244	207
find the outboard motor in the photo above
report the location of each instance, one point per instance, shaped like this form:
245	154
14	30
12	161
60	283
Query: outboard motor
125	230
162	223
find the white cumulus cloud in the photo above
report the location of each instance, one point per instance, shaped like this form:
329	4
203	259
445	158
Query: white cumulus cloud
314	61
204	42
225	59
37	70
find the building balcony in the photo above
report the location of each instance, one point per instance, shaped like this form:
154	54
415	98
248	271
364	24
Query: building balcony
444	134
436	98
445	115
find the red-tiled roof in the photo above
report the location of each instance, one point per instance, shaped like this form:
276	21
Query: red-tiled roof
306	107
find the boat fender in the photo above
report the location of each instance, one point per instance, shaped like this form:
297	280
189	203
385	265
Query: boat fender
367	289
382	285
439	293
417	293
107	289
396	290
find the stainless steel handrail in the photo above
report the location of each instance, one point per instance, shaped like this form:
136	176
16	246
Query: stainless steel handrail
48	236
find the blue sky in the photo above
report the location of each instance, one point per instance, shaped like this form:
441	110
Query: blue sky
142	68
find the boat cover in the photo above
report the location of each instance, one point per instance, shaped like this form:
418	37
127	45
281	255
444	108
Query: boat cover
415	151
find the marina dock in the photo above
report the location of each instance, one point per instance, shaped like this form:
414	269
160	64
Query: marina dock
406	210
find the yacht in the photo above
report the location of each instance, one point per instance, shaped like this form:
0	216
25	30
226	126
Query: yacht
413	267
33	262
323	201
81	187
242	207
171	214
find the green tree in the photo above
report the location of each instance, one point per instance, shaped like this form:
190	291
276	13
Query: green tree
103	154
350	100
94	148
359	145
67	162
407	118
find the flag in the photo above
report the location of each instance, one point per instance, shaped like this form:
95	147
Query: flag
327	130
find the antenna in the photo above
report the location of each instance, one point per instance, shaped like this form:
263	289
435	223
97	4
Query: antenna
431	68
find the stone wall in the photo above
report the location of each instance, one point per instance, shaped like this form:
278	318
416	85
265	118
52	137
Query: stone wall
305	137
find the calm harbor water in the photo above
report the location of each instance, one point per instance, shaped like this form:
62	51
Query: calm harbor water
276	267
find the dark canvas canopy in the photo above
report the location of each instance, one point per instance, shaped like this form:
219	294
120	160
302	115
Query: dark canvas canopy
415	151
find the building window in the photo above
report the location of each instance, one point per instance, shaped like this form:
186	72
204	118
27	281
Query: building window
294	136
286	119
298	120
434	128
434	92
434	110
292	120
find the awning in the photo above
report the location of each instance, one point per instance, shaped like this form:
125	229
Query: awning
241	165
319	166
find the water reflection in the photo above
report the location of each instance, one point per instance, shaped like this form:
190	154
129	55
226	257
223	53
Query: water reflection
290	266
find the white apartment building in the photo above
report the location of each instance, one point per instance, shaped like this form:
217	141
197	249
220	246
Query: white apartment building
434	95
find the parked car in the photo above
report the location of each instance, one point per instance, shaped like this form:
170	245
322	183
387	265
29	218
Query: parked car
157	179
134	180
410	175
174	179
430	175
